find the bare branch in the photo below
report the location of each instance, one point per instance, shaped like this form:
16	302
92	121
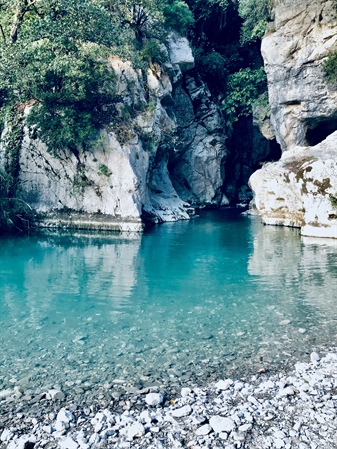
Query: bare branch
2	33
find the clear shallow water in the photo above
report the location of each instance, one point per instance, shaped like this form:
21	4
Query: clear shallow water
204	299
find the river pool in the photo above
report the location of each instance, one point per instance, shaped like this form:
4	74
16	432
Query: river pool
217	296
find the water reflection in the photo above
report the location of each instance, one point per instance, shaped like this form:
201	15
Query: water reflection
307	268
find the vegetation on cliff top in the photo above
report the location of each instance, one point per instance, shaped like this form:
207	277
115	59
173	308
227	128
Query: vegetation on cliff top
55	76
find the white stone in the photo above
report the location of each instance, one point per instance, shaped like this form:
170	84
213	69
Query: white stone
6	435
182	411
21	442
221	424
245	427
154	399
47	428
55	395
288	391
145	417
285	322
6	393
67	443
224	384
135	430
278	443
203	430
314	357
63	419
64	415
185	392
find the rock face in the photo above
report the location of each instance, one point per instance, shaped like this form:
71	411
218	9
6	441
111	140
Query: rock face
299	189
304	35
197	167
135	171
101	188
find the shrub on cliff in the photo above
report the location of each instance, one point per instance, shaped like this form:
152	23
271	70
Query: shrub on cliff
330	68
53	60
255	15
178	16
243	89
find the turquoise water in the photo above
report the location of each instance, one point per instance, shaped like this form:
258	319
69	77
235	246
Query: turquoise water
204	299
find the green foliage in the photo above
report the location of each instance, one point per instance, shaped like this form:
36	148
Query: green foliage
243	89
261	108
203	10
144	17
255	15
57	66
15	214
213	69
330	68
153	52
103	170
333	200
178	16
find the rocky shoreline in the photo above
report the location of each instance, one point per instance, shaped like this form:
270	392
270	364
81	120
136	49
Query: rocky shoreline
297	409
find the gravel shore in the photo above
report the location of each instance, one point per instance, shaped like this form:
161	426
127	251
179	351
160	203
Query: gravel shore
297	409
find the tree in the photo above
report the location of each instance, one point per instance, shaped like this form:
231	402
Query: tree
53	59
255	15
243	90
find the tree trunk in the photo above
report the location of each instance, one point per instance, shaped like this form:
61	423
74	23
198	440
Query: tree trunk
22	6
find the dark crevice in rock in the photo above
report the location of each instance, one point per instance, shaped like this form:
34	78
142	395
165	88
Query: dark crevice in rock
319	129
248	151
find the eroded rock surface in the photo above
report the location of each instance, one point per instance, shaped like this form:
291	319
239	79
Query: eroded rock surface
164	152
299	189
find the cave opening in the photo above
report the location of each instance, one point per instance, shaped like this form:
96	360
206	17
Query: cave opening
319	130
248	151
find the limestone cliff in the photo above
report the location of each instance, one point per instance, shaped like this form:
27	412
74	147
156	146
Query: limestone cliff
124	177
299	190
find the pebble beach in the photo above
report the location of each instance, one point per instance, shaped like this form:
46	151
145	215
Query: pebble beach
292	409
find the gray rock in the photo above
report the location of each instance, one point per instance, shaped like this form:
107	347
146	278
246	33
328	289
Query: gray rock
290	192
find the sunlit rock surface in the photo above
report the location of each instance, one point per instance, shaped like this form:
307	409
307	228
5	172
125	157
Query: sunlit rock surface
299	190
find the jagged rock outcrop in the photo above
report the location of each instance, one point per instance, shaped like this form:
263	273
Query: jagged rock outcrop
162	153
297	190
197	166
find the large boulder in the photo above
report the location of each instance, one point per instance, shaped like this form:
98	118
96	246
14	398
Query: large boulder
300	190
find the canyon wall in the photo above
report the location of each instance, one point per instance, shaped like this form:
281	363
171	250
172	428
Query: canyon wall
299	190
164	153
